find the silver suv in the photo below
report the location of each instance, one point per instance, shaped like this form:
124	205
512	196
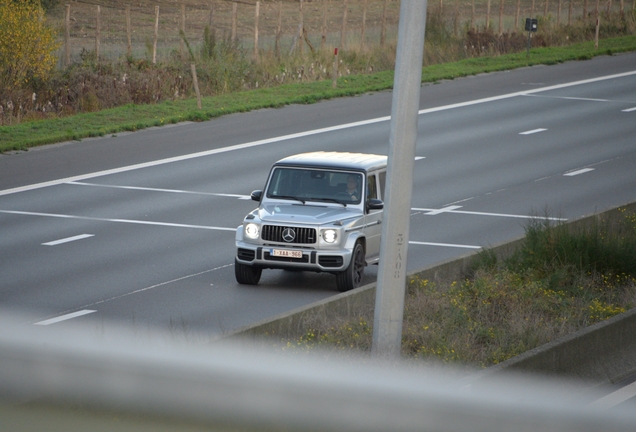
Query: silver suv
320	212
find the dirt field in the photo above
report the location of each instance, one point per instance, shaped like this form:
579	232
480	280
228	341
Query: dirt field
322	20
219	15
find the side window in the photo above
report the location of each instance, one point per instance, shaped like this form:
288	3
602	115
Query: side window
382	178
372	188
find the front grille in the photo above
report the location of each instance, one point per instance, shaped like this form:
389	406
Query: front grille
301	235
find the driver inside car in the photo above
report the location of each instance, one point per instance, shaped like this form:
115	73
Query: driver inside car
352	187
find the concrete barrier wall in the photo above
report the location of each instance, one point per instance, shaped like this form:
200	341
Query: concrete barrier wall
600	354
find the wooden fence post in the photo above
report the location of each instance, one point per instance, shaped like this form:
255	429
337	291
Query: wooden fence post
301	29
501	11
279	29
211	19
154	44
128	32
97	33
323	39
193	69
560	4
488	15
67	36
182	25
517	15
334	77
456	19
570	12
234	14
472	16
598	23
545	11
383	31
364	22
343	29
256	14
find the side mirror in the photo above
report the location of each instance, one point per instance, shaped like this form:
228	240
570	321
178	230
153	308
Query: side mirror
374	204
256	195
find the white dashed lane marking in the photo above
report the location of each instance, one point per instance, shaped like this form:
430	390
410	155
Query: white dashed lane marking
65	317
533	131
577	172
68	240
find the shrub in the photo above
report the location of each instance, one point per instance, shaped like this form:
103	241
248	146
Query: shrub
563	278
27	44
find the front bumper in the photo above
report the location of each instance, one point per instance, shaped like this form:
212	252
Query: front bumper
312	259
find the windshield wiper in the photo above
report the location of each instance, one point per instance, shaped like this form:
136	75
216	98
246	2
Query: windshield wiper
329	200
290	197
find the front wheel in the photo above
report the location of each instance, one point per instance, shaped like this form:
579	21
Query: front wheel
352	277
245	274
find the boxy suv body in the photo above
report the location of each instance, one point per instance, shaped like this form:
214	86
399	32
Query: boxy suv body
320	212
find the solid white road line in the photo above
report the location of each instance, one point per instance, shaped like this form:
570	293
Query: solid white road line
159	190
65	317
571	98
303	134
533	131
445	245
129	221
453	209
629	109
577	172
442	210
615	398
68	239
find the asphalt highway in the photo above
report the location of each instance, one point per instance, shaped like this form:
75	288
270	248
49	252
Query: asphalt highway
138	228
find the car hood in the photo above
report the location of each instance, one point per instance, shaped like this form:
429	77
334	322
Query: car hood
305	214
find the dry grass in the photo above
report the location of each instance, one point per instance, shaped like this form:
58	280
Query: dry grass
560	281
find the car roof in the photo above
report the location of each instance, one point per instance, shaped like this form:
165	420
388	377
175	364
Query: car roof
337	160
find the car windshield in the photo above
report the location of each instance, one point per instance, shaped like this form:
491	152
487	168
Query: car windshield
305	184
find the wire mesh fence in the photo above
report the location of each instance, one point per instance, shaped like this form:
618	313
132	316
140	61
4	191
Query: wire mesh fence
155	30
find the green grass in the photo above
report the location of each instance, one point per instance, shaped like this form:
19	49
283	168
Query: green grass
136	117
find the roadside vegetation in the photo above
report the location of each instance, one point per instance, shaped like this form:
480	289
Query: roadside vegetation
40	104
561	279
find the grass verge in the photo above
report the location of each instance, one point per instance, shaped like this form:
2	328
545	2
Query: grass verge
562	279
136	117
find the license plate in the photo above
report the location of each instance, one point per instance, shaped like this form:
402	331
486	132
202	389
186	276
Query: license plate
286	253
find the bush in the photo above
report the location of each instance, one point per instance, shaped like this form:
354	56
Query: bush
27	45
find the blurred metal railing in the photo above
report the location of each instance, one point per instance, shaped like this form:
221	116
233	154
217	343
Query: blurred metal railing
104	377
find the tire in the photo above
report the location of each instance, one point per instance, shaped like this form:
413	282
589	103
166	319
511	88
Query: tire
245	274
352	277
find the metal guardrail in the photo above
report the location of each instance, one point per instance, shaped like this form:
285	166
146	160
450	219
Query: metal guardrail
102	376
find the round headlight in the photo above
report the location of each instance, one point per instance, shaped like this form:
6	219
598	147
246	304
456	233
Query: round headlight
251	230
330	235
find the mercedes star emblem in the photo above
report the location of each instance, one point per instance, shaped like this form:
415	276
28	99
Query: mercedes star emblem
289	235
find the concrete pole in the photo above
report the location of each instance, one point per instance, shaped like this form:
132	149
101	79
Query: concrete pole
389	305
